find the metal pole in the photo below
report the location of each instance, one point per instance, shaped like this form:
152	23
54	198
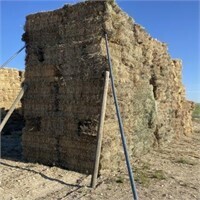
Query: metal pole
12	57
20	95
100	131
130	172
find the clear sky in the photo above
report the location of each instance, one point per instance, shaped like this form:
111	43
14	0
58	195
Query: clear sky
173	22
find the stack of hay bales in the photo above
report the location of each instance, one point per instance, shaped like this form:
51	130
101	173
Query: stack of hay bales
64	73
10	86
65	65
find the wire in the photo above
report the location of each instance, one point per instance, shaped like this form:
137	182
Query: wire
130	172
12	57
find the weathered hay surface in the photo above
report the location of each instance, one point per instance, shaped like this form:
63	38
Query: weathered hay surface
10	86
64	72
65	63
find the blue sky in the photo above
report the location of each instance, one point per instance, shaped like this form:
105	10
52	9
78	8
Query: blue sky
173	22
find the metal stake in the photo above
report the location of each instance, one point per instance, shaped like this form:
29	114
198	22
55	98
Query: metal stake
130	172
12	57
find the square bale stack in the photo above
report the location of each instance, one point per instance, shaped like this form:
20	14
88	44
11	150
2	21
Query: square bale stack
10	86
64	72
65	65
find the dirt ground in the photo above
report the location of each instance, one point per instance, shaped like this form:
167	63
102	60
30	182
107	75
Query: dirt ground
172	172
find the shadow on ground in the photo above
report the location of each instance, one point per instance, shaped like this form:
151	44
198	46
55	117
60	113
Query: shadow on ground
39	173
11	136
11	148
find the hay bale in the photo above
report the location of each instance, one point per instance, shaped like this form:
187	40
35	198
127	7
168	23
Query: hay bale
65	62
10	86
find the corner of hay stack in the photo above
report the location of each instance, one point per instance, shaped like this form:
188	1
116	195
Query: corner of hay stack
65	62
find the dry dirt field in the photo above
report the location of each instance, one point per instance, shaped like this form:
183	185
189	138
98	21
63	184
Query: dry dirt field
169	173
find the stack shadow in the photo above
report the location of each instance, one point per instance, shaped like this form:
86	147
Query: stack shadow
11	135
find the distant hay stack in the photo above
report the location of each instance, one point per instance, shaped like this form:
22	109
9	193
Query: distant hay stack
10	85
65	65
